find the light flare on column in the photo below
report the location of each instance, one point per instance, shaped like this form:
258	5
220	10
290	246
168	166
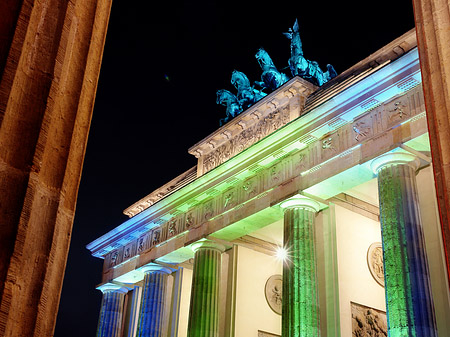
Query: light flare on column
409	303
300	315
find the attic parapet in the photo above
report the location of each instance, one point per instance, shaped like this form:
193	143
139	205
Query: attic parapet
268	115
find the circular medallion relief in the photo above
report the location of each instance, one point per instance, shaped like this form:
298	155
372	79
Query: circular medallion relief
274	292
375	262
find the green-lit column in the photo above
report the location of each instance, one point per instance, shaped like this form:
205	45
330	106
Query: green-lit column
153	300
111	312
409	303
204	309
300	311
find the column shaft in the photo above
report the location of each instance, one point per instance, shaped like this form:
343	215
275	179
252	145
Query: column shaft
152	307
111	314
433	41
49	65
407	284
204	308
300	295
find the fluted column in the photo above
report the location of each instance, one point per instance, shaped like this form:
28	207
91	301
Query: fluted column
204	308
433	42
300	311
50	57
111	312
409	302
153	301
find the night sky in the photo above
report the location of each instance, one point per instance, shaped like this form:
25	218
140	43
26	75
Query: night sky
162	64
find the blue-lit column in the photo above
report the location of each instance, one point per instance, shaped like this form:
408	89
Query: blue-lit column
300	308
409	303
111	312
204	308
153	300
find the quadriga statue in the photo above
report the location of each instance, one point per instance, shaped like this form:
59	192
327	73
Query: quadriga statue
300	66
271	78
247	95
228	99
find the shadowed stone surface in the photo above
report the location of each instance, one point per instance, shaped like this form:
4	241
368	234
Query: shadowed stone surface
50	60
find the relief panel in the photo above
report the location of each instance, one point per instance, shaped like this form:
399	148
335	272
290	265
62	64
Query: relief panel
251	188
155	236
275	175
300	161
172	227
190	219
229	199
368	321
397	111
329	146
142	243
246	138
129	251
362	129
207	210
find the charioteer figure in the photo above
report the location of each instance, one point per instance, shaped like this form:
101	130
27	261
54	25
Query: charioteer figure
300	66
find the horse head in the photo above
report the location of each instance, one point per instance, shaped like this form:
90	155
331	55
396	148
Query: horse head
240	80
264	60
224	97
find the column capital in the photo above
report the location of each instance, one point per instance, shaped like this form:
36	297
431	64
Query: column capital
153	268
112	287
209	245
300	202
396	158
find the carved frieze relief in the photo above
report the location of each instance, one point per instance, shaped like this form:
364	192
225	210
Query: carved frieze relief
251	187
300	161
246	138
156	236
329	146
229	199
113	259
142	243
361	130
397	111
191	218
172	228
129	251
368	321
208	210
275	175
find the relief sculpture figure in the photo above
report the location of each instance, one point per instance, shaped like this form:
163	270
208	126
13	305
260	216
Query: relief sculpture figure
300	66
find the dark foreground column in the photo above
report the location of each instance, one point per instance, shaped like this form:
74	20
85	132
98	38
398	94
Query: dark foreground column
111	312
50	56
433	41
409	303
153	301
204	309
300	298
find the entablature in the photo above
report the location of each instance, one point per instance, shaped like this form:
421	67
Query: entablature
343	132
